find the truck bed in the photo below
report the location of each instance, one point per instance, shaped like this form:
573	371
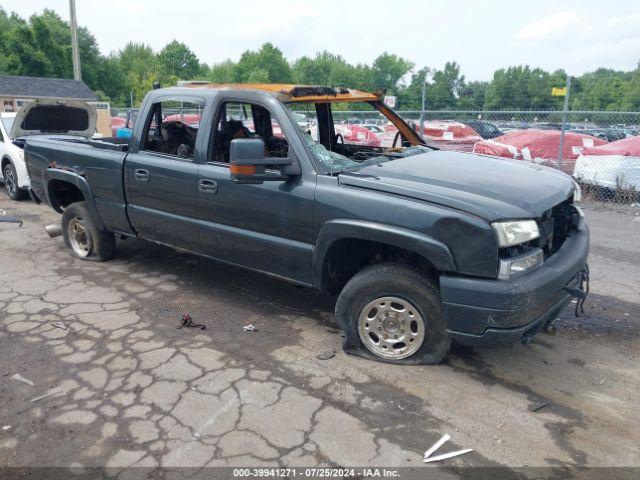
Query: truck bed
86	162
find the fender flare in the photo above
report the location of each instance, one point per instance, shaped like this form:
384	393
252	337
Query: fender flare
424	245
78	181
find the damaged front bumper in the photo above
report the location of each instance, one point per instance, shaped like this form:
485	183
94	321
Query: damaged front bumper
480	311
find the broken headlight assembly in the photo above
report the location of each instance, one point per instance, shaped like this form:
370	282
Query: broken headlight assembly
521	264
515	232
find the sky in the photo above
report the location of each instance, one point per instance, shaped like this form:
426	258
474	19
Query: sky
482	36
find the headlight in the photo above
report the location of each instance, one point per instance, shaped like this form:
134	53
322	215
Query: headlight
516	266
515	232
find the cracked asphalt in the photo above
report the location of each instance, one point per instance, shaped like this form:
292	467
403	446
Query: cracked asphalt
120	385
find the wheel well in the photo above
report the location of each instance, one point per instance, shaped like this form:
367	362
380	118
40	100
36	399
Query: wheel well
62	194
4	162
348	256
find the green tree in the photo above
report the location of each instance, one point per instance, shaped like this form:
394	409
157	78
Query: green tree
410	97
388	69
472	95
446	86
223	72
178	60
266	65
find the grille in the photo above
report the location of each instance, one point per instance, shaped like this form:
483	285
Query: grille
555	226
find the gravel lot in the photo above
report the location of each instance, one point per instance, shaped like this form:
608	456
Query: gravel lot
128	388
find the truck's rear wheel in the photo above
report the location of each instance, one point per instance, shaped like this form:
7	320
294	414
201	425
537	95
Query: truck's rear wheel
83	238
11	183
392	312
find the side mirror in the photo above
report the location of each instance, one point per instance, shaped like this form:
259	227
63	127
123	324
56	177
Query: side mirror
248	163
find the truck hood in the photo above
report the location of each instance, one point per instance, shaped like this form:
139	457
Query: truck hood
489	187
46	117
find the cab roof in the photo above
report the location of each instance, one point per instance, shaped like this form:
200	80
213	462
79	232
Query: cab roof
292	93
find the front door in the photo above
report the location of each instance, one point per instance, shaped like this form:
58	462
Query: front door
266	226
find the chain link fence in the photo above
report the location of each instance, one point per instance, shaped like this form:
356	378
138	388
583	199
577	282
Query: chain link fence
600	149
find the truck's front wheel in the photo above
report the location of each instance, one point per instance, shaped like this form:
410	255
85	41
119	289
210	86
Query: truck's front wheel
392	312
82	236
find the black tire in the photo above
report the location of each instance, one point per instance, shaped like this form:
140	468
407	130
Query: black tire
101	244
11	183
404	282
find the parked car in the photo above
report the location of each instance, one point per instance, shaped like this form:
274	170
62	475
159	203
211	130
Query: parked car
13	171
121	127
539	146
378	130
608	134
484	129
357	135
422	246
192	119
450	135
613	165
70	117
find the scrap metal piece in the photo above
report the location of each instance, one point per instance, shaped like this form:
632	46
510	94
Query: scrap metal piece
326	355
249	328
444	456
539	405
5	218
446	437
54	392
188	322
20	378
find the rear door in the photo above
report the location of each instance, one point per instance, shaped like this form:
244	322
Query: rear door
161	174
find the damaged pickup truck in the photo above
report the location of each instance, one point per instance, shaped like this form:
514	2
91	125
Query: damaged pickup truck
423	247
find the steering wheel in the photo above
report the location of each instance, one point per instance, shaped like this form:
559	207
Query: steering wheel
339	139
395	139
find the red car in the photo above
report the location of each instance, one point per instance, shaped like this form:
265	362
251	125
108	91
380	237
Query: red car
357	135
450	135
539	146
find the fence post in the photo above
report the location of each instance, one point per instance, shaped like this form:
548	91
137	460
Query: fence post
424	88
565	109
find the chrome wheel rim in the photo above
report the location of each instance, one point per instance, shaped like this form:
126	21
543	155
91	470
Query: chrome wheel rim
79	237
391	327
10	181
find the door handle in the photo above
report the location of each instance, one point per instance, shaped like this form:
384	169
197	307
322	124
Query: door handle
207	186
141	175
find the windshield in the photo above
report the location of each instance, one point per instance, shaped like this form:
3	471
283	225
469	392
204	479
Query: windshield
340	142
8	123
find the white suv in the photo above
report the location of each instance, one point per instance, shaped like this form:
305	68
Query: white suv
13	170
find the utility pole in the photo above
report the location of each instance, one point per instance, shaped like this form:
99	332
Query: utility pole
77	75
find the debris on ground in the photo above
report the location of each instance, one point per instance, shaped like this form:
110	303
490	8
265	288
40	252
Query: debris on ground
59	325
20	378
326	355
249	328
6	218
188	322
6	428
539	405
427	455
54	392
